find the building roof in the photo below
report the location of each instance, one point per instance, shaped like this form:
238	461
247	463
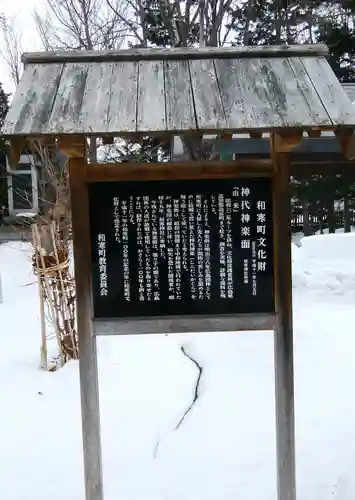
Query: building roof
350	90
177	90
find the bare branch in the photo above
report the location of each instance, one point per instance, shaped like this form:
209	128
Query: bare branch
82	24
11	53
131	25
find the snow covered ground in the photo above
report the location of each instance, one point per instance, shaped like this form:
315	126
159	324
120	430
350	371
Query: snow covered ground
225	449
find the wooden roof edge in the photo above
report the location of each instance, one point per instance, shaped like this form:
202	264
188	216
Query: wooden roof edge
236	52
172	133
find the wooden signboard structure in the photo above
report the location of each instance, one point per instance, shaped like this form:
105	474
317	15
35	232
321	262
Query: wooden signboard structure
193	246
183	250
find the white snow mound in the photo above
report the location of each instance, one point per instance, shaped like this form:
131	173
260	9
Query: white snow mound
329	246
225	447
325	266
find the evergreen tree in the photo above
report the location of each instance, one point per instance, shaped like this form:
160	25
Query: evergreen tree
4	105
166	26
336	29
270	22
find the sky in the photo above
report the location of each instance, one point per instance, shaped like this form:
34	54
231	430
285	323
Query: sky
21	11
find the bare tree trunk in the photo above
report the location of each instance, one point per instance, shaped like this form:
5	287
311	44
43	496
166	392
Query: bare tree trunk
331	214
321	218
305	213
278	22
92	150
310	25
82	24
248	19
347	223
202	23
312	213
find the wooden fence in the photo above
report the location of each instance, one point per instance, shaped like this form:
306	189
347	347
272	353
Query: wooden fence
316	223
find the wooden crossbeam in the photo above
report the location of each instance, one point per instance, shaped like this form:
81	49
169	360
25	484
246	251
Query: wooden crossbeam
346	140
107	140
17	147
285	141
314	133
188	170
73	146
256	134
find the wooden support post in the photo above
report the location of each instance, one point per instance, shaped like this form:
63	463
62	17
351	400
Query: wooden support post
17	147
256	134
346	138
314	133
72	146
226	156
107	140
283	340
184	170
87	340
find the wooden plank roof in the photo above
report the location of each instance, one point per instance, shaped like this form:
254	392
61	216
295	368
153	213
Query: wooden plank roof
350	90
177	90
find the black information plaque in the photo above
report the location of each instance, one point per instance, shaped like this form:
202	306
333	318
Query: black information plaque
190	247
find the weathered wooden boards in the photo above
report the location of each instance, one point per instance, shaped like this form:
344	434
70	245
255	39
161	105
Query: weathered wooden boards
235	94
177	53
35	95
271	93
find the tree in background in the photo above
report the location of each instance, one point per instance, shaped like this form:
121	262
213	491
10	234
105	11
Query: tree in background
269	22
12	48
174	23
107	24
81	24
336	29
4	105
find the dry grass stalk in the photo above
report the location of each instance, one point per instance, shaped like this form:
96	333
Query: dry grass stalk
70	338
44	272
58	291
44	355
51	255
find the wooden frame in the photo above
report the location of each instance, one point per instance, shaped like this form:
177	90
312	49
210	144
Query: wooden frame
283	333
194	91
186	324
87	341
80	175
63	78
178	53
180	171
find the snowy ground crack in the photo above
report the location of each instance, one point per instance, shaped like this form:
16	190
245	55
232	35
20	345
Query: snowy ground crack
196	395
197	386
